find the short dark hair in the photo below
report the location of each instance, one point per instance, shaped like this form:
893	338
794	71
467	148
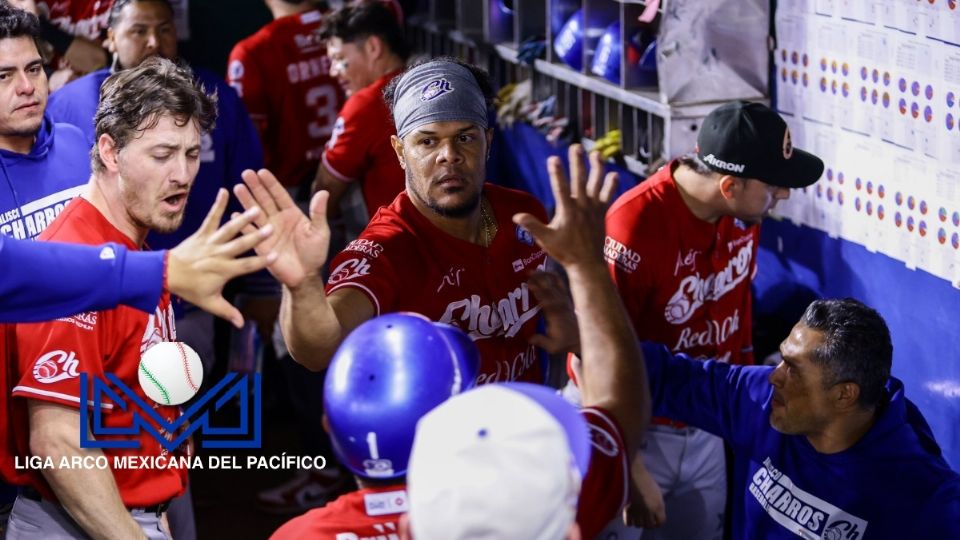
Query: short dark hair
118	6
856	346
356	22
479	74
17	23
133	101
693	162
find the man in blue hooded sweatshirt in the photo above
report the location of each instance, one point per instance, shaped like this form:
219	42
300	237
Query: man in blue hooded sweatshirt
43	165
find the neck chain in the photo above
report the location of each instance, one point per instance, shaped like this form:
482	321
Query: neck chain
487	221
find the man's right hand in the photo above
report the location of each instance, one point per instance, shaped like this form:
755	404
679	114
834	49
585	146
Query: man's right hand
301	243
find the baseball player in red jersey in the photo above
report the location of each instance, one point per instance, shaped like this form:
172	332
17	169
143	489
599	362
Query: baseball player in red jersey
140	183
514	462
282	73
375	392
445	247
367	50
681	247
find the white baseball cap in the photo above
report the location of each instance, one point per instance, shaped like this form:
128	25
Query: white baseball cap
502	461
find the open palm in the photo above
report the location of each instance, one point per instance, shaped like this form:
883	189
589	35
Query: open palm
301	243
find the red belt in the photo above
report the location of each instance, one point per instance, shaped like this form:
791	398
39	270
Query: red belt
663	421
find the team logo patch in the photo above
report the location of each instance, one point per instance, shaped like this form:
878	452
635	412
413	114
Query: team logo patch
523	236
434	89
603	441
349	269
787	144
56	366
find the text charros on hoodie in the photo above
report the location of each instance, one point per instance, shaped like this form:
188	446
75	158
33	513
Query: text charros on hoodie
37	186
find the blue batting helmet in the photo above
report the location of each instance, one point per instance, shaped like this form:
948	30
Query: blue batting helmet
388	373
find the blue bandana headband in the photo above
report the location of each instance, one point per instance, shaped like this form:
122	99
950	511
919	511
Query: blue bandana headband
437	91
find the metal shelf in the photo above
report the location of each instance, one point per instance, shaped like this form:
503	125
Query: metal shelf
646	100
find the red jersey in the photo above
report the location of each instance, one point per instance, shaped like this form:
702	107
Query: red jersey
86	18
603	492
402	262
367	513
685	282
360	147
51	356
282	73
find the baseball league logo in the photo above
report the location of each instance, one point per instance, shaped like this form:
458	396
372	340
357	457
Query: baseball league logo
434	89
246	389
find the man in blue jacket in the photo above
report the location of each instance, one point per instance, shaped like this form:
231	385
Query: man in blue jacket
42	164
826	444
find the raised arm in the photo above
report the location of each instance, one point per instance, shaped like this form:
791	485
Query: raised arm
312	323
614	376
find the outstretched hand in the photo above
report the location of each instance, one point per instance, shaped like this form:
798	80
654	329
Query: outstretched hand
200	266
301	243
575	234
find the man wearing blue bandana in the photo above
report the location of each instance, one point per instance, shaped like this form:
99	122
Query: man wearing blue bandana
446	247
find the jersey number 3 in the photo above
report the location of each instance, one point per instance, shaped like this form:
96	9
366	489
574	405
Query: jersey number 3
323	99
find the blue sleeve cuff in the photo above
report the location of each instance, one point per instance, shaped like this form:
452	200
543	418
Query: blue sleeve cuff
142	279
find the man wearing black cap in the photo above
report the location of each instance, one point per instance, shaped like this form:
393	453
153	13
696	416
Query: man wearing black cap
682	248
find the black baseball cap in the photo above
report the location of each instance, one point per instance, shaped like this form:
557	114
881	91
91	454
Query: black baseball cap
750	140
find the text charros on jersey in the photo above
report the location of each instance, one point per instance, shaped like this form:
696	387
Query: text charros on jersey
694	291
504	317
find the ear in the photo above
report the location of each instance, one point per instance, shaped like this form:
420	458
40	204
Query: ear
110	42
373	47
109	153
489	141
847	395
729	186
397	144
325	423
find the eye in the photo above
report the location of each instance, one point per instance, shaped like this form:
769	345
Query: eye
466	138
425	142
160	158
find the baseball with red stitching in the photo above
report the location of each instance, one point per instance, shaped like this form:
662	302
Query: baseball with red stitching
170	373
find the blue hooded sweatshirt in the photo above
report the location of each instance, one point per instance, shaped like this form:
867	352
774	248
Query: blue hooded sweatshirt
36	186
892	484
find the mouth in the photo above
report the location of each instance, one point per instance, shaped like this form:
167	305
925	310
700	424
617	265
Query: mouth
451	182
175	202
777	401
29	107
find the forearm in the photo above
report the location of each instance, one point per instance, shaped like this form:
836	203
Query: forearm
309	324
89	495
613	371
325	180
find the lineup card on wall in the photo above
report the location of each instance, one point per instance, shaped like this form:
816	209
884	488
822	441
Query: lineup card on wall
873	88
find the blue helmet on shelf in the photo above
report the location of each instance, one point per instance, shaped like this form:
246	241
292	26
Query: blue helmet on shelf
569	41
388	373
607	57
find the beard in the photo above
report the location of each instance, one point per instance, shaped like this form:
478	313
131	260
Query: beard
462	210
146	215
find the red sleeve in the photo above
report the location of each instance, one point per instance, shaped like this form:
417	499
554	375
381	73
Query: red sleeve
245	76
52	355
346	156
367	264
603	492
746	323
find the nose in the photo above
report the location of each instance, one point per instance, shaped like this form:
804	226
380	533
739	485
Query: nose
153	40
449	152
25	86
776	376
